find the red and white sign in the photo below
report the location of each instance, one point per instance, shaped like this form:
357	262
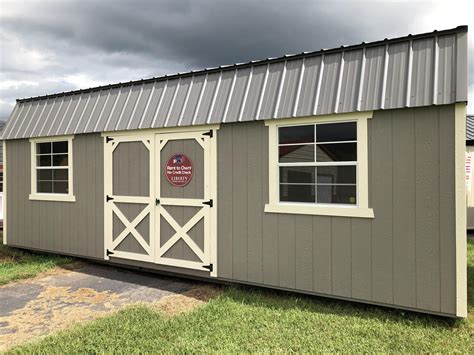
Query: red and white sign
179	170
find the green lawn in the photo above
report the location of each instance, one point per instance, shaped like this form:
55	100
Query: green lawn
16	264
249	320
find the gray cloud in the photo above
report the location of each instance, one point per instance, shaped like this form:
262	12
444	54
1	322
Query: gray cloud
52	46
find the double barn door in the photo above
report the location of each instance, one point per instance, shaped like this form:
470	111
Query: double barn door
147	217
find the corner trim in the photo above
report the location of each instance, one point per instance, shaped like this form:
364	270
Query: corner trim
460	208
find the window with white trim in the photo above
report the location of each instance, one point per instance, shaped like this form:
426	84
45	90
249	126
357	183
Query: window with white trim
318	163
51	169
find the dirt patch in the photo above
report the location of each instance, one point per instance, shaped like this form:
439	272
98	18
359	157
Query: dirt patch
54	309
188	301
43	276
80	292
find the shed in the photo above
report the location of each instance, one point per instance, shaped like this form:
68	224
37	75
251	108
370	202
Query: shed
337	173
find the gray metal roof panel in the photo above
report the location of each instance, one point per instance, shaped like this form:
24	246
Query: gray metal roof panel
253	93
327	91
446	90
409	71
307	97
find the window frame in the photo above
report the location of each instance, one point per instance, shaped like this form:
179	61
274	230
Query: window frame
44	196
360	209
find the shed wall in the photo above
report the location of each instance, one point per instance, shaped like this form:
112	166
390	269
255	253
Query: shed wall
63	227
405	256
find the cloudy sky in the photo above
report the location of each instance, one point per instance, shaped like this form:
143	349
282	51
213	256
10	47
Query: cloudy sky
49	46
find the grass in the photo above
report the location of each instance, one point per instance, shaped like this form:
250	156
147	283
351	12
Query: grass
249	320
16	264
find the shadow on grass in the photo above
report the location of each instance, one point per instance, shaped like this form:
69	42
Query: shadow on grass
284	300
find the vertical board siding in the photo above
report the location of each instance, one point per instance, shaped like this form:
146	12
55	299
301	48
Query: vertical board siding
361	258
427	208
382	197
404	237
62	227
405	256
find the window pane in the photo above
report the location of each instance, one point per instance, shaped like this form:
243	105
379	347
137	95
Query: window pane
60	160
60	187
44	174
337	174
60	147
297	174
336	152
60	174
43	160
296	153
296	134
43	148
336	132
342	194
44	187
297	193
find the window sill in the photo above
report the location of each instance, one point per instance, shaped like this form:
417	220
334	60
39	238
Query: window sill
320	211
52	197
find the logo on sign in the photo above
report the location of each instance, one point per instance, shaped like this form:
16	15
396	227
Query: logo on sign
179	170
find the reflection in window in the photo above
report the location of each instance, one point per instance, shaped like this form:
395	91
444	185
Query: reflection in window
318	163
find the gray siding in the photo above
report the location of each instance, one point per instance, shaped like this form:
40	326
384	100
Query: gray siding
405	256
63	227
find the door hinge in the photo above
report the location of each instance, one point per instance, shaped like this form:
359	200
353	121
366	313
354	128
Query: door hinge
108	139
108	198
210	267
210	133
157	202
109	252
210	203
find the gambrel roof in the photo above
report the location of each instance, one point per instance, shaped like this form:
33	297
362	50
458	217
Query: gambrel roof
416	70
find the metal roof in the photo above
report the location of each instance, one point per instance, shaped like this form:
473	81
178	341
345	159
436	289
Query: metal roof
469	128
416	70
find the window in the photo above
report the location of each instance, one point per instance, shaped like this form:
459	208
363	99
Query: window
52	169
318	162
318	165
1	181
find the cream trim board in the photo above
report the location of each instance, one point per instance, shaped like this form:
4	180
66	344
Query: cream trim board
52	197
5	193
275	206
34	195
164	130
351	116
460	206
308	209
